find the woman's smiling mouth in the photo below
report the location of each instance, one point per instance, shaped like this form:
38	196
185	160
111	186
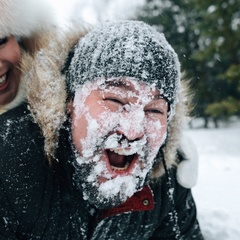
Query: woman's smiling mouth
3	81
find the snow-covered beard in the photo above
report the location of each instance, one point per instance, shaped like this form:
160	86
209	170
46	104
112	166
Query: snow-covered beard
117	190
91	166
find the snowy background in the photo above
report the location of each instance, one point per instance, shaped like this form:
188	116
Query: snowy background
217	193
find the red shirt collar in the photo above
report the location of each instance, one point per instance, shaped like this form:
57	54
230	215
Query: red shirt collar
141	201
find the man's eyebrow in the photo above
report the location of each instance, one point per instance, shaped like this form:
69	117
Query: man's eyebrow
119	83
126	86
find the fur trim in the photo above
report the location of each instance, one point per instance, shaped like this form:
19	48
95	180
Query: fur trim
20	97
174	136
45	85
26	17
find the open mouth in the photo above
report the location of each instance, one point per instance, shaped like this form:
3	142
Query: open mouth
121	160
3	79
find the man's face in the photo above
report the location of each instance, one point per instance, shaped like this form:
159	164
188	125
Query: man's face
118	127
9	69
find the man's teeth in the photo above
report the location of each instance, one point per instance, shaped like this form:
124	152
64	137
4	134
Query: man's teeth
121	168
2	80
122	151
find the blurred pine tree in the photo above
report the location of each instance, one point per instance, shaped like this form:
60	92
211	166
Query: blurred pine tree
206	36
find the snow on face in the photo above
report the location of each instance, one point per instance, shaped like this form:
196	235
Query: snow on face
118	126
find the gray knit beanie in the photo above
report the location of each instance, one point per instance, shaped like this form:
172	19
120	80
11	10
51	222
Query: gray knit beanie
125	49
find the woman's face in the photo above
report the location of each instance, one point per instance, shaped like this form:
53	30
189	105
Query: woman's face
10	54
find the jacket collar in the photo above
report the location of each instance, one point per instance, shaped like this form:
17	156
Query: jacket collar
141	201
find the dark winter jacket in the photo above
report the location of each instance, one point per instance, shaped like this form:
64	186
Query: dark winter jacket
39	201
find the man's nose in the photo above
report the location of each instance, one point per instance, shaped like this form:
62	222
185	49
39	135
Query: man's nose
132	134
131	124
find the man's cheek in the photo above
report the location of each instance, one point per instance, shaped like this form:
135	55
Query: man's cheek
107	122
156	134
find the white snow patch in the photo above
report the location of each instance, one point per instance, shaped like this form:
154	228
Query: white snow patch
217	192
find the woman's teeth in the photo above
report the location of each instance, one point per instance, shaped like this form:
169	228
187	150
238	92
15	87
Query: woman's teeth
2	80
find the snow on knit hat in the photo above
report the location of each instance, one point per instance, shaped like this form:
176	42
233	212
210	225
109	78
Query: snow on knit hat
23	18
126	49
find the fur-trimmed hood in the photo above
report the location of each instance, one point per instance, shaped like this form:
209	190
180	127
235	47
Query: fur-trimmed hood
45	84
25	18
46	93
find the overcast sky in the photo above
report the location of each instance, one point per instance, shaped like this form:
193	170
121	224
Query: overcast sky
93	11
